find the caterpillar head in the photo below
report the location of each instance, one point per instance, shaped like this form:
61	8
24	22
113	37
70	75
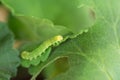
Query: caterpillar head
58	38
25	55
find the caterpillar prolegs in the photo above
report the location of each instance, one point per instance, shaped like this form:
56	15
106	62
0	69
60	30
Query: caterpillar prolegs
41	49
38	60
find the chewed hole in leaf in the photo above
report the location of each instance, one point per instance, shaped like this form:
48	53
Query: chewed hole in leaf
56	68
92	13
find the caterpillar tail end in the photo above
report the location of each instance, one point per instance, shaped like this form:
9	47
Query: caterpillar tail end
25	55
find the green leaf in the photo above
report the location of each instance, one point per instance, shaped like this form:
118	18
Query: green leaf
67	13
9	59
94	55
32	29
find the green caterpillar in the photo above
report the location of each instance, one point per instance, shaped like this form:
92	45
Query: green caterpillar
41	49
